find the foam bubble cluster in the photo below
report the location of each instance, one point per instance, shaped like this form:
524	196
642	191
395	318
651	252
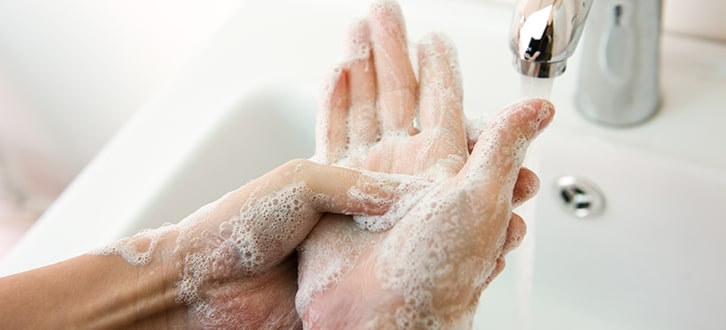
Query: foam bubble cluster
328	258
432	257
438	255
374	189
437	45
138	249
226	240
246	244
358	41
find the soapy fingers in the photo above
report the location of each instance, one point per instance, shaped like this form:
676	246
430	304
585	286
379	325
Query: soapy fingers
498	155
362	82
331	136
440	100
278	210
440	90
525	188
394	75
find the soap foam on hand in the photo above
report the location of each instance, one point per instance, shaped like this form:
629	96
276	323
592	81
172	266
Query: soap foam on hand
138	249
373	189
336	254
437	255
248	231
222	241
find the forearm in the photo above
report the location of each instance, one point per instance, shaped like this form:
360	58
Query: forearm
89	291
229	264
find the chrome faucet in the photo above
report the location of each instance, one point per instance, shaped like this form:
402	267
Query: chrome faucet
618	82
545	33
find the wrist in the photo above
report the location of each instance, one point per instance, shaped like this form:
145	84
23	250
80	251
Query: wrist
131	282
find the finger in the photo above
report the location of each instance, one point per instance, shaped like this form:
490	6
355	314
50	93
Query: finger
331	135
474	129
440	100
494	164
526	186
440	91
515	233
273	214
395	79
498	268
333	189
362	84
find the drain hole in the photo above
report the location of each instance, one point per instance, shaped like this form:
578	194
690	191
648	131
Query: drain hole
582	205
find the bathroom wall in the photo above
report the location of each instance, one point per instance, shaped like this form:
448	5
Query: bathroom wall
703	18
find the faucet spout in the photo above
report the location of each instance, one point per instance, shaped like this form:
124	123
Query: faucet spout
545	33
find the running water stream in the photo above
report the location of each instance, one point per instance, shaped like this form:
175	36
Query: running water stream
535	87
523	263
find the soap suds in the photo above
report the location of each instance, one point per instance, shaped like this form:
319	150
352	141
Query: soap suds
331	125
217	243
383	193
334	255
329	257
414	261
248	243
138	249
435	46
389	17
358	42
434	256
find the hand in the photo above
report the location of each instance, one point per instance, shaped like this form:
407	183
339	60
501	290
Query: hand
429	269
233	263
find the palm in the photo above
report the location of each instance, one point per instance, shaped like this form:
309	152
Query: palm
378	95
393	155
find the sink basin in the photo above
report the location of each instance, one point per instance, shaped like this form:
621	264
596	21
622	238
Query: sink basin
648	260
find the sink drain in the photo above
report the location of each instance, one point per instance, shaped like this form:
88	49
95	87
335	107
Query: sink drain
579	197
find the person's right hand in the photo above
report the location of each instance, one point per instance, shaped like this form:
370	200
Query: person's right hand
429	269
232	263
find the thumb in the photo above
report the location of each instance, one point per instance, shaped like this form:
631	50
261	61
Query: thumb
498	154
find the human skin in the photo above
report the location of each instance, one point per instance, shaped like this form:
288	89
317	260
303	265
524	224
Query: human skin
475	189
463	225
107	291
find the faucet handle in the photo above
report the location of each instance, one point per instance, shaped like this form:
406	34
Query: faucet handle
619	76
617	43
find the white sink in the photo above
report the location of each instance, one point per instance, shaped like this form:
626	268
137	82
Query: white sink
651	260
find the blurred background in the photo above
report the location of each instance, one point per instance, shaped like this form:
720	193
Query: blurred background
72	72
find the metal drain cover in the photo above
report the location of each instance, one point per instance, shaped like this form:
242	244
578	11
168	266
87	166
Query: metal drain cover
579	196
